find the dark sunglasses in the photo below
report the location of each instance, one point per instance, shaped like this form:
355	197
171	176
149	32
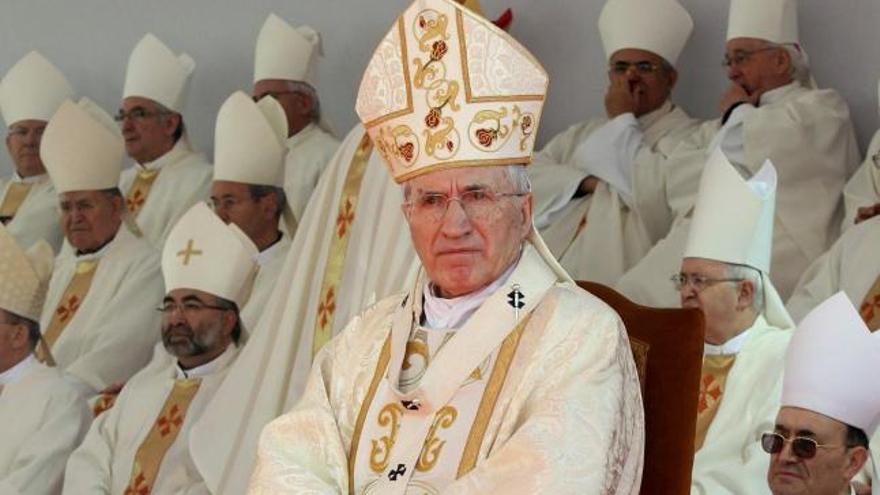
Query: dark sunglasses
802	447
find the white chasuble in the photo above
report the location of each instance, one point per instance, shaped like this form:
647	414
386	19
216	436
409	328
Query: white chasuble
270	261
174	182
863	188
109	333
851	265
809	137
603	222
730	460
37	215
42	419
123	451
309	152
536	393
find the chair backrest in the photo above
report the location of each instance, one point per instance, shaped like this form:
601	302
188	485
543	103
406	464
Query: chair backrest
667	346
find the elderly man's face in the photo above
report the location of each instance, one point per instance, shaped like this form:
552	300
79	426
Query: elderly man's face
719	298
756	66
829	472
195	328
14	341
23	142
147	127
651	88
234	203
469	243
90	219
296	105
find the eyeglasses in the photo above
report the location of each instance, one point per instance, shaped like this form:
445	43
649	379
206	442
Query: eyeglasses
21	132
189	308
226	203
478	204
643	67
742	56
137	113
274	94
801	447
698	282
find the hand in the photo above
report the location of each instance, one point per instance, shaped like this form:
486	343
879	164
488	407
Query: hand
861	488
587	186
867	212
734	94
621	98
113	389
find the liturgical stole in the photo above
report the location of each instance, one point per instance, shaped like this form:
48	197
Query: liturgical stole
15	196
67	307
140	189
714	377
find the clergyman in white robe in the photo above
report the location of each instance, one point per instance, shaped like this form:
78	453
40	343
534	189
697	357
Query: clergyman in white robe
310	150
37	217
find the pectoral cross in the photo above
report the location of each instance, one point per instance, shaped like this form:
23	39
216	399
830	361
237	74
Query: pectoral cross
395	473
516	300
188	252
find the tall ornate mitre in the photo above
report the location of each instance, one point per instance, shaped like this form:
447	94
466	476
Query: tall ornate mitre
82	148
733	223
24	276
770	20
446	88
286	52
829	364
33	89
250	141
658	26
203	253
156	73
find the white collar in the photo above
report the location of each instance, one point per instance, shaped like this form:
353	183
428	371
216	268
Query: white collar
777	94
103	251
18	371
301	136
34	179
652	117
180	148
211	367
734	345
268	254
441	313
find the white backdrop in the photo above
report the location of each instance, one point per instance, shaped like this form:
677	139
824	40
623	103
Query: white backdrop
90	41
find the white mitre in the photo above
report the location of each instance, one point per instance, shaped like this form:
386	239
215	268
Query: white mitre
203	253
830	363
156	73
82	148
24	276
250	141
285	52
733	223
770	20
658	26
32	89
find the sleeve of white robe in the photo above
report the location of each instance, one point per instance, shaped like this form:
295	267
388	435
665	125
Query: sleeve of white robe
863	188
88	469
819	282
38	468
199	192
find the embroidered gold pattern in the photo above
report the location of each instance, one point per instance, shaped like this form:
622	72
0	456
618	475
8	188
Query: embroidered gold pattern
70	302
379	372
430	454
380	450
188	252
15	195
140	190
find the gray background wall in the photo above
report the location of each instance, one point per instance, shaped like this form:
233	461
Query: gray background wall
90	41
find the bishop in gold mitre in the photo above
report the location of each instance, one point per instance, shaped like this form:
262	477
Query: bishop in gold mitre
492	369
141	445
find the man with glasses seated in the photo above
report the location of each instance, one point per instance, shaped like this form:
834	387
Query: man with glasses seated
830	404
588	179
772	109
168	176
141	445
724	273
286	68
30	93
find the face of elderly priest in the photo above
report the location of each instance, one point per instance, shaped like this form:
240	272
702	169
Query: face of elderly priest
757	66
298	99
254	209
639	81
149	129
198	326
23	142
812	454
90	219
468	224
728	295
18	338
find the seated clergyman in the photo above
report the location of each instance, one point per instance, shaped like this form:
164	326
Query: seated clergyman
493	370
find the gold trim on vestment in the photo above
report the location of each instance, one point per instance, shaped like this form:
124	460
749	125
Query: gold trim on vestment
404	55
869	310
524	160
384	357
490	397
713	380
339	245
140	190
15	195
70	302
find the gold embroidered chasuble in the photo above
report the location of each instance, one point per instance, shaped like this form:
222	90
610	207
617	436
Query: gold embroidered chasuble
69	304
712	381
140	190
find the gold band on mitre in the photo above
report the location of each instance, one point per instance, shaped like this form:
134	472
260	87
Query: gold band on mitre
446	88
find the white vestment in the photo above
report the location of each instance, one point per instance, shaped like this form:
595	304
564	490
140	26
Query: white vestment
42	419
809	137
270	375
731	460
111	335
851	265
104	461
184	180
544	399
633	152
308	153
39	216
863	188
270	261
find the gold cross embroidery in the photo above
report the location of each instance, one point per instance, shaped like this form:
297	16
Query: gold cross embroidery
327	307
188	252
138	486
170	422
344	219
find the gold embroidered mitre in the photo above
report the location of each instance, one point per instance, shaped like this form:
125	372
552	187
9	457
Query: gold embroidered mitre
447	88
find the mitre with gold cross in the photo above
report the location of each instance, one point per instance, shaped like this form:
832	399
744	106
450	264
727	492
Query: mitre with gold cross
24	276
203	253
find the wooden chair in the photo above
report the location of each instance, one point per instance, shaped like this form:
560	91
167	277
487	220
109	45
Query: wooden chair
667	345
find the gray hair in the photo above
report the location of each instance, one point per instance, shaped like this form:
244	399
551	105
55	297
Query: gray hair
800	63
752	275
307	90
